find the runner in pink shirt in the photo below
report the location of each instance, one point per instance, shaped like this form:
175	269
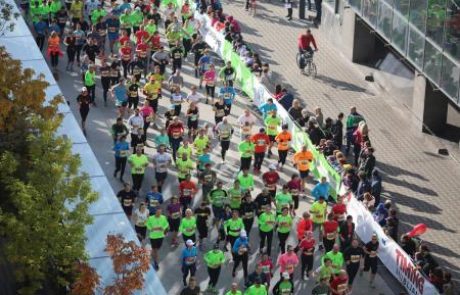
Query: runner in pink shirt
288	262
210	78
148	114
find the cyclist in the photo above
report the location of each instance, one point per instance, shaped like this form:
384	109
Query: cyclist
303	43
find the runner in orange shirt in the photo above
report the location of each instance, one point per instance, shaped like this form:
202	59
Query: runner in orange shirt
302	160
283	140
261	140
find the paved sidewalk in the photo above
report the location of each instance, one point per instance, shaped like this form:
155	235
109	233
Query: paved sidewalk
423	184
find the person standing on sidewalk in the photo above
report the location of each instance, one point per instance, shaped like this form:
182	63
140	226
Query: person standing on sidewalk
352	123
261	142
214	259
138	162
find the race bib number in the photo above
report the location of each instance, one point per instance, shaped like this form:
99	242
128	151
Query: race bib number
124	153
330	236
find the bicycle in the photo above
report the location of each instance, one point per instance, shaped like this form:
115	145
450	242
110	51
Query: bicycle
308	66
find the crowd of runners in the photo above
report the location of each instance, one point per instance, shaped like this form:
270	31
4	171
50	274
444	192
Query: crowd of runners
120	44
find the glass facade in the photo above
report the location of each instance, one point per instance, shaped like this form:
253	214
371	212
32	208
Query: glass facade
426	32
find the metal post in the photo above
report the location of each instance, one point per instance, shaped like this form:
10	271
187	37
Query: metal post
302	5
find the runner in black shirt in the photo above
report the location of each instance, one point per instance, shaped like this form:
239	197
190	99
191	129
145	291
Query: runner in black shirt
198	47
247	211
127	199
176	54
104	70
262	200
371	259
353	256
202	214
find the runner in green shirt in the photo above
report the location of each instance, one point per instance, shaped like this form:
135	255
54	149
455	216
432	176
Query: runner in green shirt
318	211
98	13
266	222
233	227
284	285
136	17
214	260
158	226
235	194
246	181
325	271
218	196
188	226
184	166
246	149
185	148
284	199
336	257
200	142
234	290
283	225
138	162
256	289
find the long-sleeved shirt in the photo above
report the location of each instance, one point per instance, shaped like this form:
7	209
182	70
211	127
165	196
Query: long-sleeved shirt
188	255
321	189
266	108
121	149
240	243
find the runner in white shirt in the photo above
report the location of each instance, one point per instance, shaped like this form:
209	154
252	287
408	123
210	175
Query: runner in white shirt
246	121
177	99
136	121
140	218
194	96
162	161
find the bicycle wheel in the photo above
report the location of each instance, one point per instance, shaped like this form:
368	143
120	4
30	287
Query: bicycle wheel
313	70
308	68
297	59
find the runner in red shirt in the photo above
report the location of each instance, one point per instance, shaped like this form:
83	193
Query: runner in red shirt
126	54
330	231
270	179
187	190
307	246
175	133
261	140
295	186
141	52
154	41
339	285
124	38
141	35
339	210
304	225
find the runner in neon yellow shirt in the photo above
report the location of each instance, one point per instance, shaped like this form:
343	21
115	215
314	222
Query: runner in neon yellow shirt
188	226
158	226
201	142
284	199
234	290
184	166
185	148
246	181
284	224
272	124
266	222
138	162
246	149
214	260
318	211
256	289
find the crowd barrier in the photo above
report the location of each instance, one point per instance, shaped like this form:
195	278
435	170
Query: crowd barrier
390	253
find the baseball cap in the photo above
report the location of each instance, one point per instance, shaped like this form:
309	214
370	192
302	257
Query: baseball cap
286	275
189	243
83	89
243	234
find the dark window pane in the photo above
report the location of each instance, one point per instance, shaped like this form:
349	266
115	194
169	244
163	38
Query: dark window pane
435	20
450	77
403	7
385	19
452	43
432	62
417	15
416	47
400	27
356	4
370	11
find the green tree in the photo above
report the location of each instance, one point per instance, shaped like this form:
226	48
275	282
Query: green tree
44	198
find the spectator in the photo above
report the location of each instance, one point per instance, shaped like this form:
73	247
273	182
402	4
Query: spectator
368	165
376	185
381	213
392	224
286	99
296	110
337	131
425	261
314	133
364	186
408	245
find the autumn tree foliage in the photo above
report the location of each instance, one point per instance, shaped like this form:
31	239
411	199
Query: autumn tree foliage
44	199
130	263
87	280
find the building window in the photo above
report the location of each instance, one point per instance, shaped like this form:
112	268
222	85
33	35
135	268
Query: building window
450	77
356	4
370	11
432	62
416	47
400	27
452	42
385	19
417	14
436	18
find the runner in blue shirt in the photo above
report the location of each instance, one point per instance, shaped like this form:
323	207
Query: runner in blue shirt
120	93
121	149
267	107
154	199
188	259
228	94
203	65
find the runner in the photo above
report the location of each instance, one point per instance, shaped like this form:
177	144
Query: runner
262	200
235	194
246	121
214	259
268	108
210	79
219	110
175	133
200	142
336	257
246	181
152	91
318	211
174	215
257	288
347	232
307	246
136	122
127	199
84	100
301	161
261	141
153	199
240	253
234	290
120	93
227	93
138	162
121	149
371	258
233	227
202	214
288	262
353	257
271	179
339	284
193	116
246	149
321	189
339	210
272	123
283	140
184	166
162	161
188	226
227	74
284	285
248	208
187	190
330	232
283	225
295	187
266	222
192	288
158	227
118	130
188	258
207	179
283	199
133	92
322	287
140	221
224	131
177	99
